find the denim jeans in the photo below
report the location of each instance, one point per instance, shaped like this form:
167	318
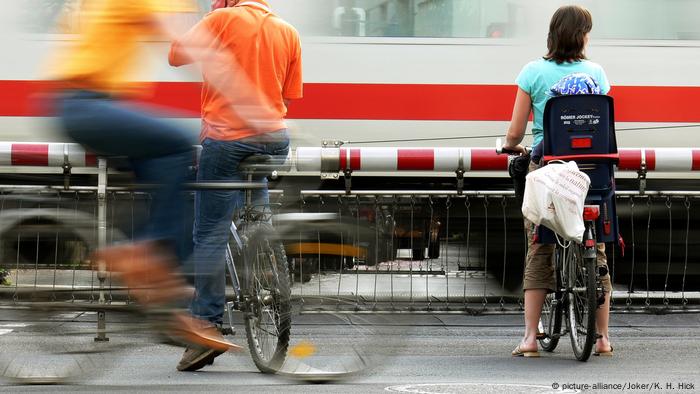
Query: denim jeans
158	152
214	210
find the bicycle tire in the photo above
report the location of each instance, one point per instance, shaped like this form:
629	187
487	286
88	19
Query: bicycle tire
268	296
552	310
582	304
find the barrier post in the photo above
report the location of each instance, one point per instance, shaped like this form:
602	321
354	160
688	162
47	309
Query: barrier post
101	243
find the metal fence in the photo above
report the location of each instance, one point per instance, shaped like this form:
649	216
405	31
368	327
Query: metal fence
477	262
392	251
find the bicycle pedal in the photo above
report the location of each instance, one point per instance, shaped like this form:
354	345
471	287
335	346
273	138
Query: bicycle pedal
541	335
228	331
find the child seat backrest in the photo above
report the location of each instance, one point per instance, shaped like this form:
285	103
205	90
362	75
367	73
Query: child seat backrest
584	125
580	125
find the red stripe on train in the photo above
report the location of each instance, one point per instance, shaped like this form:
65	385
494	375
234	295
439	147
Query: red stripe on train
415	160
30	155
388	101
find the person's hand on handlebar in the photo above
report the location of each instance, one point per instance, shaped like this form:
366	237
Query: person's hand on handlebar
514	149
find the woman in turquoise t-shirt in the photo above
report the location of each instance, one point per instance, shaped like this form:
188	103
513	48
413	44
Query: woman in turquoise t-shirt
566	44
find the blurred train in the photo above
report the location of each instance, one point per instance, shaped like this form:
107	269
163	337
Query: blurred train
428	73
406	73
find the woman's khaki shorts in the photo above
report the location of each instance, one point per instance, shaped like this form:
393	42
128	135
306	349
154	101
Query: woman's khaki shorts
539	262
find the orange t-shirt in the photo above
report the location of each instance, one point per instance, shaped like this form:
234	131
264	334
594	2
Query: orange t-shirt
251	64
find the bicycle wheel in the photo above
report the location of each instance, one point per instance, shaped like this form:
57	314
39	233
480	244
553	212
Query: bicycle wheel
582	304
550	319
268	309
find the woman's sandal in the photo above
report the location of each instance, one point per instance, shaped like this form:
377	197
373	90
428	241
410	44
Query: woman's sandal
604	354
521	353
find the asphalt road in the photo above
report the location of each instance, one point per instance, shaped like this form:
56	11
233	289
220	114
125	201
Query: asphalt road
406	353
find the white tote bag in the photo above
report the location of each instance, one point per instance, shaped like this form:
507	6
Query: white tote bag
554	197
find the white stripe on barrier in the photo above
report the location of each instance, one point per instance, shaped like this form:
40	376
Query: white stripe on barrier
448	159
378	157
5	153
56	153
308	159
76	155
674	159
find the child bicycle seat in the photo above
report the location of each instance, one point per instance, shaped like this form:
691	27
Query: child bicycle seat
582	128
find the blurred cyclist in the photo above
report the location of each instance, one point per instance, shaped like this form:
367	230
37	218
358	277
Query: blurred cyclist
96	75
254	70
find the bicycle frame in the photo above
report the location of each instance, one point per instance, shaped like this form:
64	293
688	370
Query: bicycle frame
233	274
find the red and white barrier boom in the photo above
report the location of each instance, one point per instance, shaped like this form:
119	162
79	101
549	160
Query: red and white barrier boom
375	159
45	155
385	159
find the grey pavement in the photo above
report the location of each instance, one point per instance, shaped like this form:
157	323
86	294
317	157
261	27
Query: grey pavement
449	353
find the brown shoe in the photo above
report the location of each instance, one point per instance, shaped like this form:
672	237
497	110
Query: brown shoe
199	333
195	359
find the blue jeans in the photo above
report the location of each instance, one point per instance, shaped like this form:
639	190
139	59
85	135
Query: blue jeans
214	210
158	152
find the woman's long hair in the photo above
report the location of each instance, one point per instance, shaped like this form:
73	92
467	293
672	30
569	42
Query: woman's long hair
566	41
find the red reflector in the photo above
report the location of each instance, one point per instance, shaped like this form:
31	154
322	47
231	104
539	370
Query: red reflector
590	243
591	212
581	143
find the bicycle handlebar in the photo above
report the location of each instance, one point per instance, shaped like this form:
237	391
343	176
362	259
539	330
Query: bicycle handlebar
500	150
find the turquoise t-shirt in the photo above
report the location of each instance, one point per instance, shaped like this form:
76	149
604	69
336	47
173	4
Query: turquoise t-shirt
538	76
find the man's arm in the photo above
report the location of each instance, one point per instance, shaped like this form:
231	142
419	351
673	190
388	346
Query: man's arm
293	86
193	43
177	56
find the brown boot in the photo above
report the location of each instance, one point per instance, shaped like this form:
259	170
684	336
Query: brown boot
199	333
148	270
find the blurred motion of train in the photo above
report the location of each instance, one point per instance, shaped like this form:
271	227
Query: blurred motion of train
407	73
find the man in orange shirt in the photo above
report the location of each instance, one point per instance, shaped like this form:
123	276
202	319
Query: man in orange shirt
252	71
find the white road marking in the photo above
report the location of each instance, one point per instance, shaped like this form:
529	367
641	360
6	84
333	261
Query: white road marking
9	327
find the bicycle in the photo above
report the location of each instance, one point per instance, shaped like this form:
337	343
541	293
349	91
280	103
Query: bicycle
577	294
578	291
265	295
260	284
256	268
